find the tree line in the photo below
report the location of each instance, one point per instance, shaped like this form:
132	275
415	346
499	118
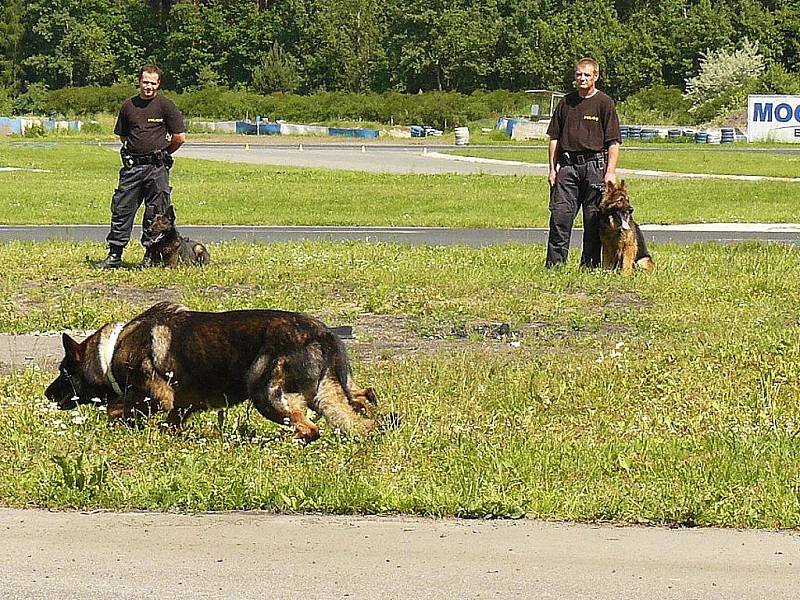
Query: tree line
382	46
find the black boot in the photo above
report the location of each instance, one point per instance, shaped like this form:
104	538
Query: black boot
113	260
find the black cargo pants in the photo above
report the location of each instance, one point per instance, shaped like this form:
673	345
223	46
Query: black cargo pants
578	185
148	183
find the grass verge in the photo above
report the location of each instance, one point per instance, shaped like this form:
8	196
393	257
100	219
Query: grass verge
81	180
665	399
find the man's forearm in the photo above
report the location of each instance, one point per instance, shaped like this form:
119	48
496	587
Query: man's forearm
176	142
613	156
553	154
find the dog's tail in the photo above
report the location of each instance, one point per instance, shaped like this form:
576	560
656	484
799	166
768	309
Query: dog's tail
644	259
334	397
337	362
203	257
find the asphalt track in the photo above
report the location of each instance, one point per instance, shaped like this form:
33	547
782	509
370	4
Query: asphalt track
257	555
788	233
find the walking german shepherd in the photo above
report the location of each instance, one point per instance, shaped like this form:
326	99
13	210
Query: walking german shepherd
169	248
181	361
623	244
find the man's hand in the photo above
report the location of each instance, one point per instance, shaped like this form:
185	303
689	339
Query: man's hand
551	178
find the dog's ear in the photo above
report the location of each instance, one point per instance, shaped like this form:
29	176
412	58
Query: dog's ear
622	185
610	187
72	349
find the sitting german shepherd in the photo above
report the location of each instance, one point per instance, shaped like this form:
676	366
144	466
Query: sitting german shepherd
169	248
180	361
623	244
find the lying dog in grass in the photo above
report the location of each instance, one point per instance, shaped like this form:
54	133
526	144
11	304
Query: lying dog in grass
180	361
169	248
623	244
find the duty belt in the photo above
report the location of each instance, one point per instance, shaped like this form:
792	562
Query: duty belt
579	158
153	158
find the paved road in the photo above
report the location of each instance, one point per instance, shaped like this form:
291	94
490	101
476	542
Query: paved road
375	159
394	158
679	234
257	555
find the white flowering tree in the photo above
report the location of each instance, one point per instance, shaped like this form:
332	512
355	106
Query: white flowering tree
722	71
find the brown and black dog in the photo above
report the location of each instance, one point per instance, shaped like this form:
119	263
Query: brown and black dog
623	245
169	248
180	361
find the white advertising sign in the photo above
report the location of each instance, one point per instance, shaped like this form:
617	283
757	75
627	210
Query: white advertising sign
775	118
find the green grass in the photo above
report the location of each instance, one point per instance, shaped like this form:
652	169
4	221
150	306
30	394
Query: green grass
82	178
670	398
678	159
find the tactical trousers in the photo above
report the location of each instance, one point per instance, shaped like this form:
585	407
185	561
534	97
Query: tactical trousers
137	184
577	186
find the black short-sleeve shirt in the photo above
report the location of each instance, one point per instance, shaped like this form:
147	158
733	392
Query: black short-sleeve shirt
581	124
146	123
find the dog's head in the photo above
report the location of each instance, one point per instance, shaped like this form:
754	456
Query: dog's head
616	205
162	224
72	387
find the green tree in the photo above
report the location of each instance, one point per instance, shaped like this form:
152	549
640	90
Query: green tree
277	72
11	31
350	39
465	46
68	42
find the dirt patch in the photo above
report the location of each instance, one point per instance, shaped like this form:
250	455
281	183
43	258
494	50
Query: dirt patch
128	293
380	337
33	297
626	301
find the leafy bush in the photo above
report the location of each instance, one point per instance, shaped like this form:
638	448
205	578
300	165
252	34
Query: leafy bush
656	105
33	101
90	100
777	80
6	104
440	109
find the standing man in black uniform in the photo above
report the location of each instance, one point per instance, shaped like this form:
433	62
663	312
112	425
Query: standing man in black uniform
584	147
150	128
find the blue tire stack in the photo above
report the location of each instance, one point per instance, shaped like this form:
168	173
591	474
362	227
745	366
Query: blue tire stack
728	135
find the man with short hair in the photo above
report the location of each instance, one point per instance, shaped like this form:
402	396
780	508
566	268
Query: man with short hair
150	128
584	148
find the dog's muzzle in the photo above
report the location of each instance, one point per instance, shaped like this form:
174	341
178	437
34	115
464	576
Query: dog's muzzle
625	218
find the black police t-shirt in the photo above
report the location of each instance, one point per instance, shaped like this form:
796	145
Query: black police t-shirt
145	123
581	124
